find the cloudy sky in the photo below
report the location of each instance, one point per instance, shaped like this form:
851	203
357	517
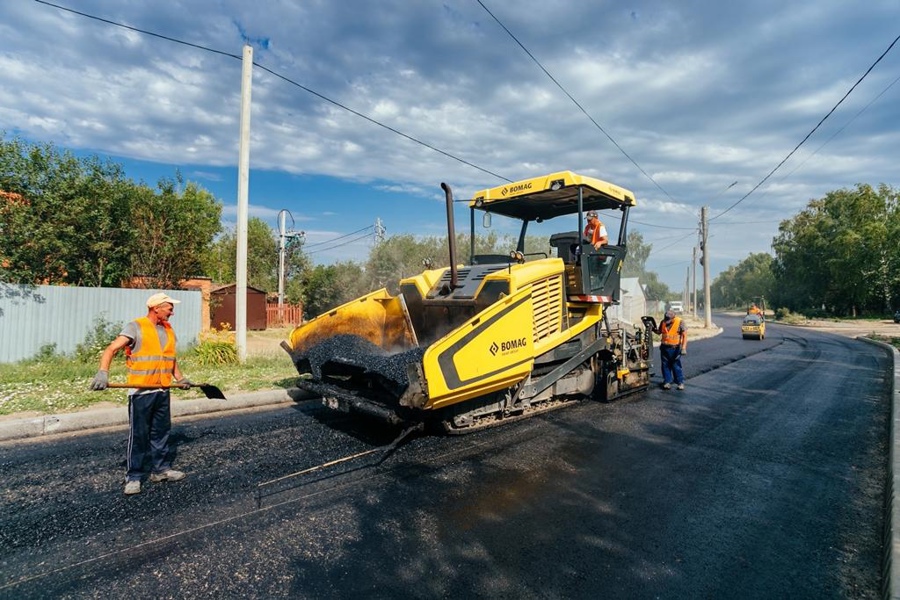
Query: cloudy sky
361	109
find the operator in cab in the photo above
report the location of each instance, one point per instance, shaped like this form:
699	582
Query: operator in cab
754	310
595	231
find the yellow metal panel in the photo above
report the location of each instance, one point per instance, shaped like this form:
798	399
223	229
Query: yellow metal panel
537	184
489	352
377	317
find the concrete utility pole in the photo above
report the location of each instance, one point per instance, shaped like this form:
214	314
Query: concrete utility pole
694	283
240	305
704	260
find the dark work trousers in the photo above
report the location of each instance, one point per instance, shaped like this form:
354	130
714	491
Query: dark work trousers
671	363
149	419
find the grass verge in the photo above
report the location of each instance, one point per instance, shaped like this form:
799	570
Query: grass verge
54	384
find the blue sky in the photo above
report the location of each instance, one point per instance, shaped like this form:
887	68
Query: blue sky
678	101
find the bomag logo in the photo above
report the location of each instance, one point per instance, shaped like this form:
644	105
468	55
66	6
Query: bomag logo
515	189
508	345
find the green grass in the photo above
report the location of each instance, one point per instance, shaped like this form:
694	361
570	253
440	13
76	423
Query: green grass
56	384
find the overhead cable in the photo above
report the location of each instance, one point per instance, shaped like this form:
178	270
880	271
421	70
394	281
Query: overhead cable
791	153
574	101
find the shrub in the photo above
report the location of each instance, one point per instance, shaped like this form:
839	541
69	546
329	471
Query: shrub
96	341
216	347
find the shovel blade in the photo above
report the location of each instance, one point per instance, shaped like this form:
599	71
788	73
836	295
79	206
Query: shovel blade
212	392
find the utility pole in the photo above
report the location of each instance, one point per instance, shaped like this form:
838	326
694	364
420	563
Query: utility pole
694	282
243	211
285	238
704	260
379	230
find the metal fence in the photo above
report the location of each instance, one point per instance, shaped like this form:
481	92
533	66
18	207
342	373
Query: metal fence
33	317
287	315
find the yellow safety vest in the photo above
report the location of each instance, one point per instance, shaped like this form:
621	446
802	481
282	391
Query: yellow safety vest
150	364
669	333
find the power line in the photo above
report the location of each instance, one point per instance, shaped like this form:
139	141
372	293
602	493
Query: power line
791	153
574	101
341	237
350	241
286	79
843	127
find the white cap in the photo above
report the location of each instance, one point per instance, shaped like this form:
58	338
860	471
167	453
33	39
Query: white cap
160	298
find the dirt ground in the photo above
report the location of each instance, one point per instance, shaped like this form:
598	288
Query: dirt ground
267	342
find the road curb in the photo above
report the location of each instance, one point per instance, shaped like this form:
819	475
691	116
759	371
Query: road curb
111	417
891	550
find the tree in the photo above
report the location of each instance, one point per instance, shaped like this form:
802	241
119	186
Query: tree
61	218
175	230
740	285
635	265
220	261
840	253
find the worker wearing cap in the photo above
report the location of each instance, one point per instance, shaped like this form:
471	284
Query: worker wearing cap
672	346
595	231
149	344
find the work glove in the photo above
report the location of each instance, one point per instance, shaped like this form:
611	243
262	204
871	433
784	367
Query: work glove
184	383
100	381
684	353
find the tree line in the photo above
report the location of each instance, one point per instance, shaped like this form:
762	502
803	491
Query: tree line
66	220
839	256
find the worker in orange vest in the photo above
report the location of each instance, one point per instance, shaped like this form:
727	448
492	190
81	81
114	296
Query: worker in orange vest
595	231
754	310
672	346
149	344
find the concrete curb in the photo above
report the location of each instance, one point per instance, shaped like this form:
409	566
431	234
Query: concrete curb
891	550
111	417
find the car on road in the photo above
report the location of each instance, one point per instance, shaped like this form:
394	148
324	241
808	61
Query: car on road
676	307
753	327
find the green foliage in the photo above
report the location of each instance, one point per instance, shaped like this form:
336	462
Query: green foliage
216	352
45	352
97	339
635	265
840	255
71	221
746	282
217	347
220	258
176	228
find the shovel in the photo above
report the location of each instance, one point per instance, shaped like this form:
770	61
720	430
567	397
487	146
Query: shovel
210	391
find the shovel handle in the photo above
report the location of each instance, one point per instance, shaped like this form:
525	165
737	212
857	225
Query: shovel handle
151	387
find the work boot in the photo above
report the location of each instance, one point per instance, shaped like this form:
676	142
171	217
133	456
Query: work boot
667	386
167	475
132	486
680	386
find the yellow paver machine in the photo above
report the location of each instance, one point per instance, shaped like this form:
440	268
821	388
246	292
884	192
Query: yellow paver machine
503	337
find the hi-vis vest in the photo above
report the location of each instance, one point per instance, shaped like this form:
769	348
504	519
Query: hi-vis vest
669	333
150	364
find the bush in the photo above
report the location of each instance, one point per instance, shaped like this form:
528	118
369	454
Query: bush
217	347
96	341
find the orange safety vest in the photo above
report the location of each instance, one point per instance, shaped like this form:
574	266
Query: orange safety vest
669	333
593	234
151	364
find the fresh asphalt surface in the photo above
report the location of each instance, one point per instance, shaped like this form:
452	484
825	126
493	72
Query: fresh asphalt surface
764	479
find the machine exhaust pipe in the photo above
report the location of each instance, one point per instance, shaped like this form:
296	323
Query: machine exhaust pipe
451	235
